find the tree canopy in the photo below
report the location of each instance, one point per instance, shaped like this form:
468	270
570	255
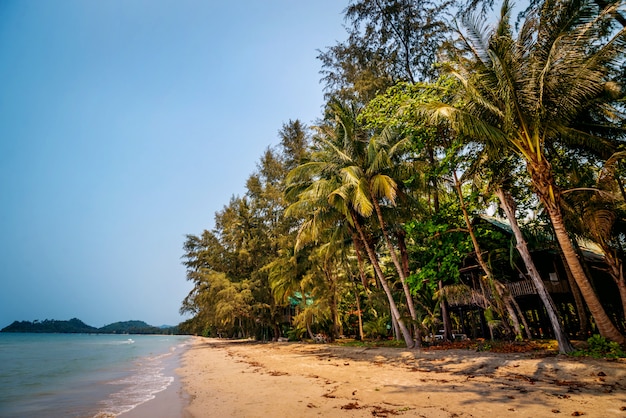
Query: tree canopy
464	178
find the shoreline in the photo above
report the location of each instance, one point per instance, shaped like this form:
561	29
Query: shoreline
170	402
250	379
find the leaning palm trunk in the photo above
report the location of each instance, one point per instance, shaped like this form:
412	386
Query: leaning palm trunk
545	186
498	288
359	259
309	330
616	271
334	313
583	320
508	206
359	313
445	315
400	270
383	282
521	317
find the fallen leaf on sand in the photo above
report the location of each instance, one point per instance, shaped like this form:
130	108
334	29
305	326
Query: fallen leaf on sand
351	405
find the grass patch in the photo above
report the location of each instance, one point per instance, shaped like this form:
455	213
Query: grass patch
371	343
479	344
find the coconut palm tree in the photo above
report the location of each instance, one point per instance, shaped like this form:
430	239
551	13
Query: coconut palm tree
528	92
597	213
338	184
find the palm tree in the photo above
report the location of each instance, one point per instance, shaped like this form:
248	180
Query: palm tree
337	185
367	178
597	214
528	93
377	178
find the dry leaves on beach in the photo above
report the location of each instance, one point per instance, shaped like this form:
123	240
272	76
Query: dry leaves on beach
248	379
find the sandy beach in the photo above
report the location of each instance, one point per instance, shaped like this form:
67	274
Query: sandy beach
248	379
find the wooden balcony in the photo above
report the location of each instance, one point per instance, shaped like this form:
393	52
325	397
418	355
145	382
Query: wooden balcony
526	287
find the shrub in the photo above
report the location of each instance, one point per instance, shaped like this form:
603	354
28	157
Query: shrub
600	347
377	327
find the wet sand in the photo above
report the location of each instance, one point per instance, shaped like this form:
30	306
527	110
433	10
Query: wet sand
248	379
169	403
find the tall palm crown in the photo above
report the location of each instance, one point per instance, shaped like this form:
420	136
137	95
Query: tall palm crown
536	89
552	85
347	175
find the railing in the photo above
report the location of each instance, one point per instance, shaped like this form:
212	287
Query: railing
524	287
527	287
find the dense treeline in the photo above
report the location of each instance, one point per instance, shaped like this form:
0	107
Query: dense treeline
76	326
449	163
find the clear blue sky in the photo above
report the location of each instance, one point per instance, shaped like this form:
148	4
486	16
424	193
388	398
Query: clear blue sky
124	126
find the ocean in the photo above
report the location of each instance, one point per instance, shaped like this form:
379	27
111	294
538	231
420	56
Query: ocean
83	375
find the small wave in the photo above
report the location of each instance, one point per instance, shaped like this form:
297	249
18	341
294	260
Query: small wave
119	342
142	386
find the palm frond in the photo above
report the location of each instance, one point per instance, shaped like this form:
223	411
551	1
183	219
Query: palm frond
384	186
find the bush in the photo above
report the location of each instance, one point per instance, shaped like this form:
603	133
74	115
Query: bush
377	327
600	347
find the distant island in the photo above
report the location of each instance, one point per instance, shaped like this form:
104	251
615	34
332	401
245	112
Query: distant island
76	326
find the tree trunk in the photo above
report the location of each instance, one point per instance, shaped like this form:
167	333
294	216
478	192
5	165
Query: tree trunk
583	320
358	308
521	317
359	258
445	315
332	302
621	285
545	186
276	332
395	328
383	282
399	269
404	253
507	299
616	271
508	206
356	241
308	329
500	299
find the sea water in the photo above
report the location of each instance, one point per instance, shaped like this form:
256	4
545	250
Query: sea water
83	375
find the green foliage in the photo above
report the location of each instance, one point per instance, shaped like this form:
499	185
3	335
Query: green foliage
296	333
438	246
389	41
377	328
376	343
237	266
387	159
398	105
600	347
130	327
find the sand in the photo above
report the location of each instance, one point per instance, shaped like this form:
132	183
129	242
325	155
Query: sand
248	379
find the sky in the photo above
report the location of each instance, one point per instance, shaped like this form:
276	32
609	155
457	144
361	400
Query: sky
124	126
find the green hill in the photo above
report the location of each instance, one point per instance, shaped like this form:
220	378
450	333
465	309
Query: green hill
73	326
76	326
130	327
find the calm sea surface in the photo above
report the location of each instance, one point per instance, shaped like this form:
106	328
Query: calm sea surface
80	375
